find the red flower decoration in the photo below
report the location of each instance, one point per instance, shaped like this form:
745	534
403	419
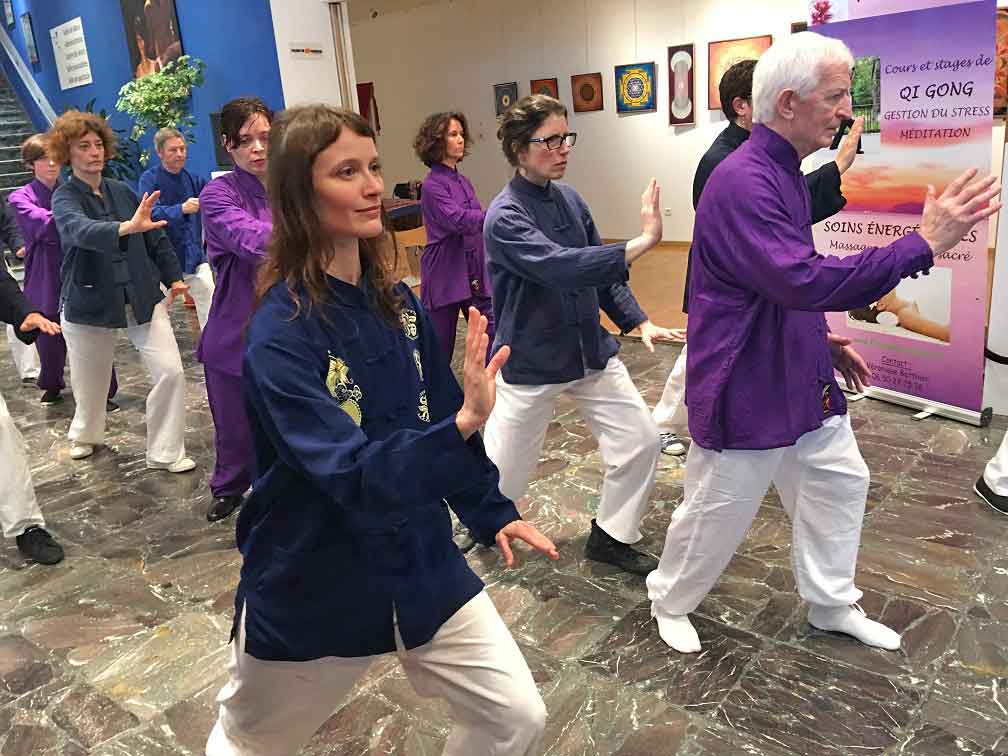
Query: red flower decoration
821	12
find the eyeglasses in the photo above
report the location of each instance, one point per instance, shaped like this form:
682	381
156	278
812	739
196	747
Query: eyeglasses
554	142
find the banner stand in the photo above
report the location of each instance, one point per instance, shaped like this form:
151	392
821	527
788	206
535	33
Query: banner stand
980	419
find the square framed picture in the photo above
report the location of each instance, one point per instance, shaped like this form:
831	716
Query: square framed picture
505	95
724	54
682	76
586	92
635	88
29	38
546	87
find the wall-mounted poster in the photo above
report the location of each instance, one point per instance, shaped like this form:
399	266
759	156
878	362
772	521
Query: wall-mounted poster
152	34
635	88
1001	64
505	95
723	55
545	86
586	91
8	9
29	38
70	52
682	109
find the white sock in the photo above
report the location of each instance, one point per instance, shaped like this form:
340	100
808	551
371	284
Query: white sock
678	632
852	621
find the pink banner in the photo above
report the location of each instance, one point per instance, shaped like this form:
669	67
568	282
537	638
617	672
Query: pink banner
924	82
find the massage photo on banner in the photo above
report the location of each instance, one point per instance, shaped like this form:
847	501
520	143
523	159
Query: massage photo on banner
918	308
152	34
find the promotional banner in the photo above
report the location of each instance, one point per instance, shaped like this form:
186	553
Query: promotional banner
924	83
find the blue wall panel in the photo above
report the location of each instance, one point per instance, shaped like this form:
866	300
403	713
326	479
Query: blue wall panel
233	37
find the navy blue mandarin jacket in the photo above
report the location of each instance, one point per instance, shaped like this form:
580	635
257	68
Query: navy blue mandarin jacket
102	271
185	232
550	274
357	459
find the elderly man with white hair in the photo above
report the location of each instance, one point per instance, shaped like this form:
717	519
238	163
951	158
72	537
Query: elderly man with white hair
764	405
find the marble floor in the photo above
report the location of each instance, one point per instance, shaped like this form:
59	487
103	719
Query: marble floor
120	650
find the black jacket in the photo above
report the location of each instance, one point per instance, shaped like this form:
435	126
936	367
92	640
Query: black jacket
823	184
102	271
14	308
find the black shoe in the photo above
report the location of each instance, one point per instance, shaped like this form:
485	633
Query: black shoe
996	501
29	380
36	544
223	506
51	397
602	547
111	406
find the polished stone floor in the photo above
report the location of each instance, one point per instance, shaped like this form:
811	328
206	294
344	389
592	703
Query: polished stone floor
120	649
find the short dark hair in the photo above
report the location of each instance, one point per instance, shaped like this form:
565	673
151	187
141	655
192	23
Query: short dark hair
32	149
235	113
520	121
736	82
429	143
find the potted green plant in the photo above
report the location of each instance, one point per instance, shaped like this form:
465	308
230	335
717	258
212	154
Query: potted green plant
162	99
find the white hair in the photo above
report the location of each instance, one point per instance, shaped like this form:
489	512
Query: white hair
793	63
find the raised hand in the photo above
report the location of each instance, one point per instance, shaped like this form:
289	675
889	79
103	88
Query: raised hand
190	206
651	223
478	382
141	220
650	214
651	333
523	531
36	322
848	147
177	288
964	203
850	364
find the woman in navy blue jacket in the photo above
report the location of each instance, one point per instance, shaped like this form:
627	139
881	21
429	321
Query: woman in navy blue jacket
363	441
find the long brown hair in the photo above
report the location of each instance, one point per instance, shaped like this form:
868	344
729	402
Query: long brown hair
299	252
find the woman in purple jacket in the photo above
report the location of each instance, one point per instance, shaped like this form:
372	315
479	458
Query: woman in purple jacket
453	274
236	229
32	206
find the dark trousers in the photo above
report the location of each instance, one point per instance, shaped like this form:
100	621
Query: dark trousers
233	439
445	320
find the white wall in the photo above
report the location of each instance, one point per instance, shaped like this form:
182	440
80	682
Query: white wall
306	80
448	55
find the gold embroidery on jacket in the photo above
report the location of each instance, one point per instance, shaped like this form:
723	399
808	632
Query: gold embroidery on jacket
416	359
408	318
343	389
423	412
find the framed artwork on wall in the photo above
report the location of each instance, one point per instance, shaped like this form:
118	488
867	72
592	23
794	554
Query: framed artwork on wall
29	38
724	54
545	86
8	9
586	92
635	88
505	95
681	74
152	34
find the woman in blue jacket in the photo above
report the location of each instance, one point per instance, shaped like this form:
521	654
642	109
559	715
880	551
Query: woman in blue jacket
363	441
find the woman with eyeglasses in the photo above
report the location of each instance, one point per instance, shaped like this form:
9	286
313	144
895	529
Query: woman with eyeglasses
551	273
236	229
453	274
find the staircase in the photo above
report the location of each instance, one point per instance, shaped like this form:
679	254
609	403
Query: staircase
15	127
